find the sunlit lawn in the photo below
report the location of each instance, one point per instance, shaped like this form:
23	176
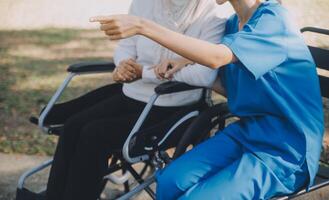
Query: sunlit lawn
32	65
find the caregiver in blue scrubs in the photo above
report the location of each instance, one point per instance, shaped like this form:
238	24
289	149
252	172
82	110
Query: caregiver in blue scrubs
271	83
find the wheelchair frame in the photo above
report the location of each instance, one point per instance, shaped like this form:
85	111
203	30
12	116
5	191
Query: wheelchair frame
155	158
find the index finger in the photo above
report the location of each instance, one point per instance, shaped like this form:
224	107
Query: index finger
129	68
101	19
171	72
131	62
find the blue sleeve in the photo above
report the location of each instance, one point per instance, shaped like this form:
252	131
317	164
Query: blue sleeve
260	45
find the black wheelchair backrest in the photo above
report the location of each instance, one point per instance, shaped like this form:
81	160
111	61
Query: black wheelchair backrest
321	58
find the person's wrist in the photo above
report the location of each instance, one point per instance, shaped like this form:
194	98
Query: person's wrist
139	26
115	78
143	26
140	72
187	62
115	75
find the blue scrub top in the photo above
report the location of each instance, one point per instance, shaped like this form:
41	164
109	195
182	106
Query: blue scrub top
274	89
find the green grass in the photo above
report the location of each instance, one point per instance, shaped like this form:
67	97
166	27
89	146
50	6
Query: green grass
46	37
32	65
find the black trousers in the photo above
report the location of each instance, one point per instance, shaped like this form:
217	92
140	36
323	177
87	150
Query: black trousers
96	125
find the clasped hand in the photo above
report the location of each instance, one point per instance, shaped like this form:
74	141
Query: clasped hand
127	71
167	68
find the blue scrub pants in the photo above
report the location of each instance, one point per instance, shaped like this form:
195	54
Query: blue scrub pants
221	168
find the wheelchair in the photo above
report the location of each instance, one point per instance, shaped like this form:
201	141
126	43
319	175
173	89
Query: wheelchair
153	156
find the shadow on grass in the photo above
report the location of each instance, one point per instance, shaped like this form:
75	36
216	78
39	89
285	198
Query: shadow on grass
28	77
17	134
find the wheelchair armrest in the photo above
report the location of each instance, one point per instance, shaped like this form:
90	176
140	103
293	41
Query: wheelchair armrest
174	86
91	67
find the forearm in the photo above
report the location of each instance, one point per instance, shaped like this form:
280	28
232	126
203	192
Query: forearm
197	75
185	61
199	51
149	76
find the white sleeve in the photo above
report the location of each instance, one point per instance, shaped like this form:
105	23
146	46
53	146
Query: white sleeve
127	47
199	75
148	76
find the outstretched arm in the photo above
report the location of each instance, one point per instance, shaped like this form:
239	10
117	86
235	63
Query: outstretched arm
199	51
202	52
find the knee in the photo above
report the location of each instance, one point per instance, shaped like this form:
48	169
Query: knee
72	126
165	183
165	180
71	132
171	179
